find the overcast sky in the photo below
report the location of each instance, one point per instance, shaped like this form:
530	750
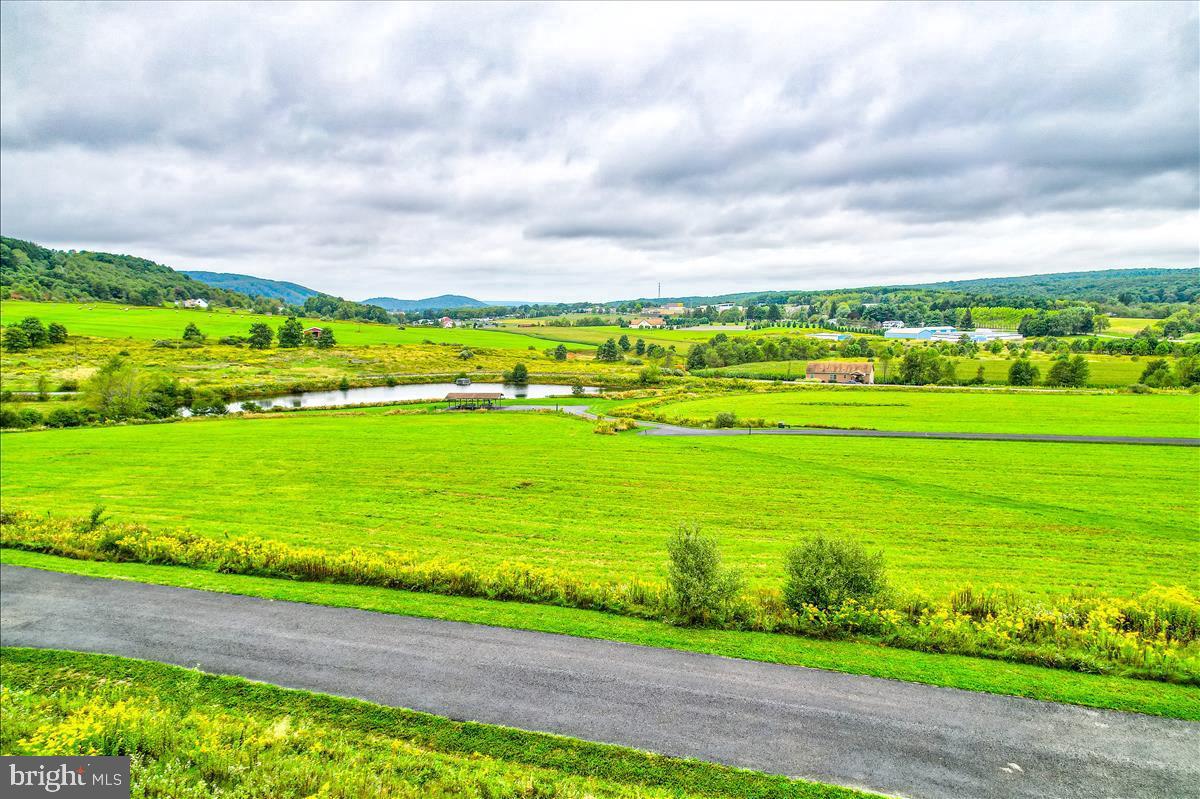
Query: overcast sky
590	151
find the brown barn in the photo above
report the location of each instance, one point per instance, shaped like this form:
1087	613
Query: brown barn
840	372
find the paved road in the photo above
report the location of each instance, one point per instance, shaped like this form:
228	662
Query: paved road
893	737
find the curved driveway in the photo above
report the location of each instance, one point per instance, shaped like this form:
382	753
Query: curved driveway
893	737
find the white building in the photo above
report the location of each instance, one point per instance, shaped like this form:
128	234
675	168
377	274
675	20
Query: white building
196	303
951	333
892	323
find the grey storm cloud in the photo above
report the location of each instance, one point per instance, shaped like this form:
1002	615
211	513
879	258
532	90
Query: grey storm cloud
588	151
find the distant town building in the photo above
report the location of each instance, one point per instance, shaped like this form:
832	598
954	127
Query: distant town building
195	303
670	309
840	372
446	321
831	336
722	307
643	324
951	333
892	323
925	333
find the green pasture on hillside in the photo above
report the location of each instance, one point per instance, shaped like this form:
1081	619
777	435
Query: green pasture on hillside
976	411
547	491
107	320
1106	371
680	339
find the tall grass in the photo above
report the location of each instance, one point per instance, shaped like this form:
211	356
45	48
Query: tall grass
1155	636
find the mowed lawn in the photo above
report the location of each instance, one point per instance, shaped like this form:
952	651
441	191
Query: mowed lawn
108	320
547	491
976	411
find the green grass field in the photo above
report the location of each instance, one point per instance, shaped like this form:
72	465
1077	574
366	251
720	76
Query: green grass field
680	339
1169	415
1106	370
546	491
106	320
194	734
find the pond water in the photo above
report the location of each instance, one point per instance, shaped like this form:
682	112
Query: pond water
414	391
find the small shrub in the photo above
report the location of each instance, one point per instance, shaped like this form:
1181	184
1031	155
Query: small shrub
725	419
825	573
700	590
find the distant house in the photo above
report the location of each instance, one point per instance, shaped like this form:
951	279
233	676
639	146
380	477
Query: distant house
644	324
446	321
671	309
892	323
313	332
840	372
196	303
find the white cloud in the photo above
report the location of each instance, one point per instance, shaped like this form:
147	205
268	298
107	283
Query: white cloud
591	150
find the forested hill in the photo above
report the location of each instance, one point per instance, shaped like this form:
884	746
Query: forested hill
442	301
1115	287
1124	286
292	293
34	272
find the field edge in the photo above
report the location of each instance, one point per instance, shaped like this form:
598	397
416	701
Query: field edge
951	671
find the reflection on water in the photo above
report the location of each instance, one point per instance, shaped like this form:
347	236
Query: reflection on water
415	391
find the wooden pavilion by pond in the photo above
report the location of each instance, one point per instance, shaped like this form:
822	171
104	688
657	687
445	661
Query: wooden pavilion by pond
473	400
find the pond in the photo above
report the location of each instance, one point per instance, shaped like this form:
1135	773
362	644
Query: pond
413	391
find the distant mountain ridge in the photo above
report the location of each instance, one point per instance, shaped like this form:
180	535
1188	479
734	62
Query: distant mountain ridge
292	293
447	301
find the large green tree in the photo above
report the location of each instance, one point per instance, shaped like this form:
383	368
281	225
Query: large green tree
260	336
291	333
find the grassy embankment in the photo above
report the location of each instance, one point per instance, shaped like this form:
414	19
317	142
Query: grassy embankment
546	491
192	734
1165	415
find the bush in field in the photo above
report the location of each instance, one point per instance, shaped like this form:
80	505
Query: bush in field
36	331
825	573
518	375
1157	374
56	333
64	417
649	375
116	391
1071	373
192	333
260	336
700	589
16	339
326	340
1022	373
291	333
725	419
